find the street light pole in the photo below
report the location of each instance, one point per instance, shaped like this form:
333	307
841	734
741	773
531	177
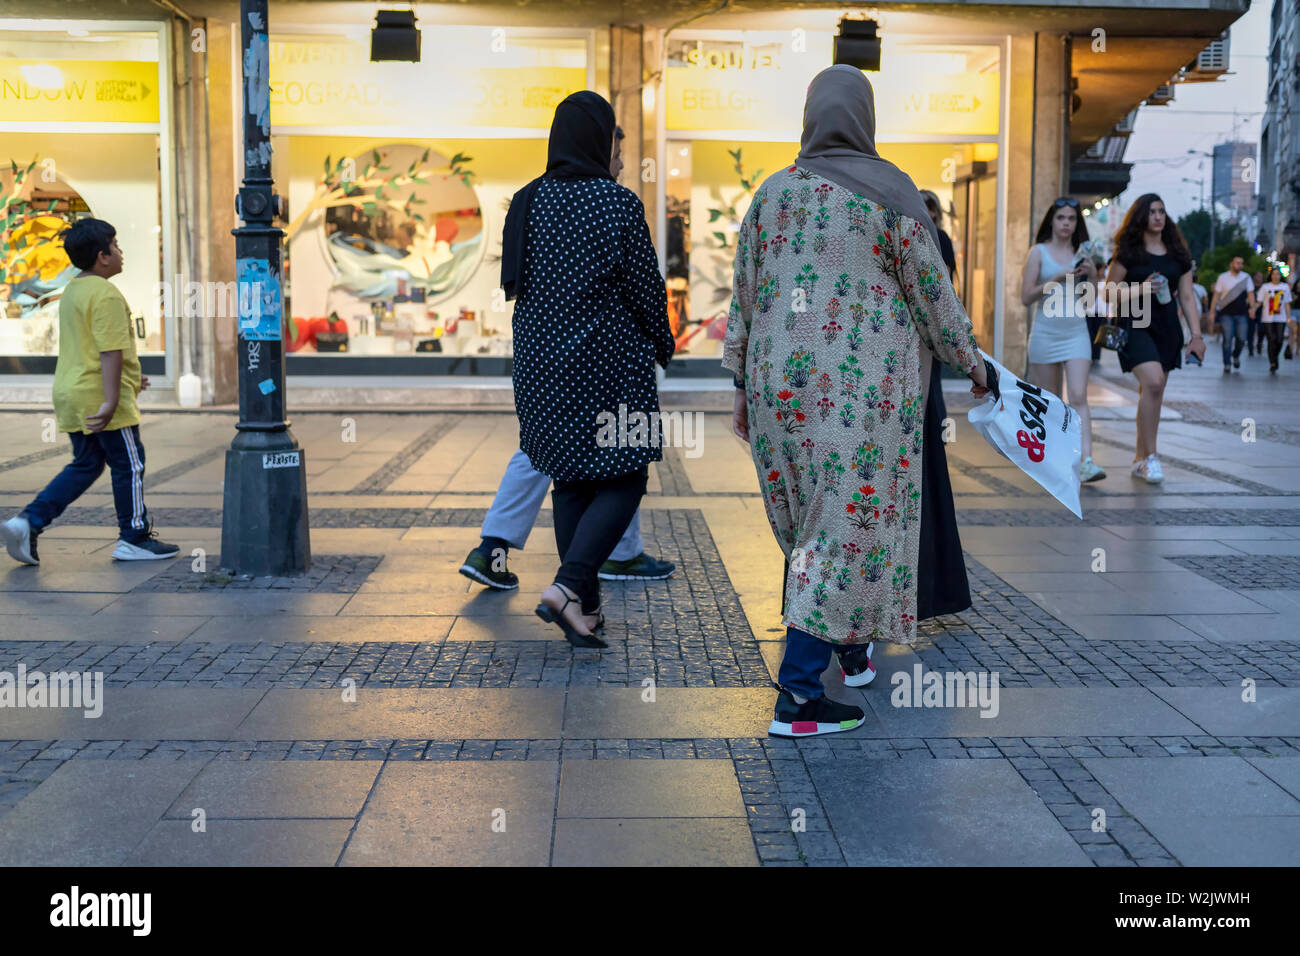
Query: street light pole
264	518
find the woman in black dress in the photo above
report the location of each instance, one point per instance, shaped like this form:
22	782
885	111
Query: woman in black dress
590	322
1149	246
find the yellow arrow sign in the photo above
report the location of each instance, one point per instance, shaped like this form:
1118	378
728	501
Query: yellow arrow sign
78	91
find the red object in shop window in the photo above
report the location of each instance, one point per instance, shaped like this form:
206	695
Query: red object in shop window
445	230
302	332
297	334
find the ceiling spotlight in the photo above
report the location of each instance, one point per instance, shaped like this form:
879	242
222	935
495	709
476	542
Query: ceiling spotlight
857	44
395	37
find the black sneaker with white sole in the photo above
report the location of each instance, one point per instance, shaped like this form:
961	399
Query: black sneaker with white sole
480	567
641	568
820	715
20	539
856	666
146	549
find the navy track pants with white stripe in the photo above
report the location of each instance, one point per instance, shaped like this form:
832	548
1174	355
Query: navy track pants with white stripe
122	452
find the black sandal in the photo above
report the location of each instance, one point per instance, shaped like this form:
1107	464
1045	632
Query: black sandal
571	634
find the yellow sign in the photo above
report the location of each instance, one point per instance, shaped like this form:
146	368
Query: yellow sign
78	91
333	83
760	88
955	103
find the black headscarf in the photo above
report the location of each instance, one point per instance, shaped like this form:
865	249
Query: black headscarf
580	147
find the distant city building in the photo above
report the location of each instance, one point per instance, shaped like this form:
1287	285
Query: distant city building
1279	174
1234	178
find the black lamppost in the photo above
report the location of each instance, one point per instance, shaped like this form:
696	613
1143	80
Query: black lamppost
264	518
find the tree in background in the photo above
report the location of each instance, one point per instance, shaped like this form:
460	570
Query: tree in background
1216	260
1195	227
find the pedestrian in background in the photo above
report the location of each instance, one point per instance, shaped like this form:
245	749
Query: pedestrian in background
96	383
1059	347
590	323
1152	261
1255	335
518	500
1231	305
828	340
1275	312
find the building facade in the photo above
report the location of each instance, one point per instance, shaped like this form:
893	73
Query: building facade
396	176
1234	178
1279	180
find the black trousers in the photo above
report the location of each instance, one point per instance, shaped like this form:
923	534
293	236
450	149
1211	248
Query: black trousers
590	517
1275	331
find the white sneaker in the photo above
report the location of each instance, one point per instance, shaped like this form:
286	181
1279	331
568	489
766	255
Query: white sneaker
1139	469
19	540
1153	474
1089	470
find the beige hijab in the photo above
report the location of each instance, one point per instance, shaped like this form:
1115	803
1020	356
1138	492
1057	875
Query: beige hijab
839	144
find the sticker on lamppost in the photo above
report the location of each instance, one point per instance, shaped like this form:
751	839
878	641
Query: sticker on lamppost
259	301
280	459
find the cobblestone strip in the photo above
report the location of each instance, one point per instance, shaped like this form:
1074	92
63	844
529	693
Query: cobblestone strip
772	773
688	631
329	574
996	485
1042	513
396	466
1006	632
1048	514
45	454
673	479
173	471
1254	487
1245	572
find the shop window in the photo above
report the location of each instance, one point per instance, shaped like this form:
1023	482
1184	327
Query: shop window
100	89
34	268
391	234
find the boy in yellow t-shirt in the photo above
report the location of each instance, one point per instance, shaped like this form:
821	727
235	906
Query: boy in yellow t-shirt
96	383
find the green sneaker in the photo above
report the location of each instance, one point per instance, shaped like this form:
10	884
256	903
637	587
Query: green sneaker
641	568
478	567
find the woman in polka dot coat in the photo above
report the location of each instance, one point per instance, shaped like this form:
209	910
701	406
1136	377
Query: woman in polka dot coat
590	323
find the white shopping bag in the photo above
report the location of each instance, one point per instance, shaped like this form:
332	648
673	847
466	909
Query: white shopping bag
1036	431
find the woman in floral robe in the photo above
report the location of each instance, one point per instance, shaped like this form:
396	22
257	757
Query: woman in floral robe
837	301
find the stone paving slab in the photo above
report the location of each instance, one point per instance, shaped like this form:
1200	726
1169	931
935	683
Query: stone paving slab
1037	712
164	712
58	604
1221	711
267	604
649	788
1132	627
378	714
1228	628
1066	604
115	629
654	842
1217	812
939	813
1283	771
442	814
239	790
676	712
243	843
90	813
512	627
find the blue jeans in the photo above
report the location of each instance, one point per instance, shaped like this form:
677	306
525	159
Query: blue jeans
1235	327
805	659
121	450
519	498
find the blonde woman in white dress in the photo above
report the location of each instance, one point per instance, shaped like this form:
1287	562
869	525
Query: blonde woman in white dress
1058	337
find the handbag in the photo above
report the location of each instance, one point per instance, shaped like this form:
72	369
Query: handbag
1113	337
